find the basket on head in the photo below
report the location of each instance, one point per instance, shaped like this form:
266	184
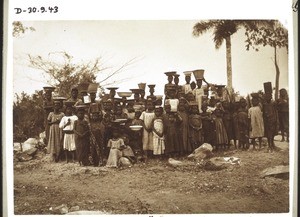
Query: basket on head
199	74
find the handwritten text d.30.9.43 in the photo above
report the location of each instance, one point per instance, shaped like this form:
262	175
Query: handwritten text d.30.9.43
41	10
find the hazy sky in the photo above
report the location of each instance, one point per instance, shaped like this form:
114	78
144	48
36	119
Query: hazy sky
160	46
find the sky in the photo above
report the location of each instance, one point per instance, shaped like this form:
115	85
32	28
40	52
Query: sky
158	46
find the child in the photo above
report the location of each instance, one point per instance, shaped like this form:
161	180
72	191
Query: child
82	133
171	121
147	118
116	144
195	127
221	135
184	127
283	113
67	124
255	116
97	136
228	121
158	129
270	120
208	125
55	133
242	124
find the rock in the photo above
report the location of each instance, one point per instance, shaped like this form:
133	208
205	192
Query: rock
281	171
30	152
174	163
17	146
62	209
32	141
216	163
123	161
24	157
203	152
74	208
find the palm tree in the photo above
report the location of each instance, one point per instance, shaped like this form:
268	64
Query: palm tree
222	30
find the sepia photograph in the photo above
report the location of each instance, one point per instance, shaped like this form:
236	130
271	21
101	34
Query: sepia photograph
152	117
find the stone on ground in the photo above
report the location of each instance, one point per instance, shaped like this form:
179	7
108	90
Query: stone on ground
280	171
203	152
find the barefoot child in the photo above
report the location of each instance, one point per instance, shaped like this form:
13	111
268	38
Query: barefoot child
82	133
147	118
67	124
55	133
255	116
158	130
270	119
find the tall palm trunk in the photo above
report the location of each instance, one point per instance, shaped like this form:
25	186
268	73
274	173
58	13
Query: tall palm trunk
229	67
277	73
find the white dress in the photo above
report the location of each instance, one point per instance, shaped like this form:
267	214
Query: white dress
186	88
199	93
69	139
115	153
257	122
158	142
148	118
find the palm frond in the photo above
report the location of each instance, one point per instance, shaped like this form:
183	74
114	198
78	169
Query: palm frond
204	26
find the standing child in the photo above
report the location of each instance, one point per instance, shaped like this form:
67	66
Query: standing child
147	118
242	124
97	137
67	124
171	121
208	126
82	134
55	133
270	120
255	116
283	113
228	121
158	132
195	126
221	135
183	132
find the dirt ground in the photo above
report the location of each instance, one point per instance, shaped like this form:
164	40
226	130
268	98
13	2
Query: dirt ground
155	187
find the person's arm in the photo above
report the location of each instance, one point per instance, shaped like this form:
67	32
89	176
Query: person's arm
75	129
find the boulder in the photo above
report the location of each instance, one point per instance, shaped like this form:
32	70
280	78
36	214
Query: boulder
74	208
62	209
216	163
203	152
175	163
31	152
123	161
24	157
281	171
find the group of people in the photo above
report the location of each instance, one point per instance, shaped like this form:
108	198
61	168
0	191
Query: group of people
105	131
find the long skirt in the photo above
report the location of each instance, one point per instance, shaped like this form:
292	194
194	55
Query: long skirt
55	139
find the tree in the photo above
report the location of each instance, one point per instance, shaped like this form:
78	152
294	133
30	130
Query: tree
222	31
61	71
28	118
275	35
19	29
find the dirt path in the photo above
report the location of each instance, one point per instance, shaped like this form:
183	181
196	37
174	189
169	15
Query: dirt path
154	187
